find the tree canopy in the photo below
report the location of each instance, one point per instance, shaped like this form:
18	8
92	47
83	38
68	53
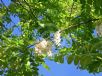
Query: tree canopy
44	24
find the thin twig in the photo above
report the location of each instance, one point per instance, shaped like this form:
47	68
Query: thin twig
30	9
19	3
77	25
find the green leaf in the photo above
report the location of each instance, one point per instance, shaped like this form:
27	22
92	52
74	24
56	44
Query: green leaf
45	66
59	58
76	60
1	72
70	59
85	60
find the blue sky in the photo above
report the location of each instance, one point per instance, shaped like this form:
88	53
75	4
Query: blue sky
55	69
63	70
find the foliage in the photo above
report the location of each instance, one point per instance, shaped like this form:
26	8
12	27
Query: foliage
40	18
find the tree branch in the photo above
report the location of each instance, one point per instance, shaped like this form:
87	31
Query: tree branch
77	25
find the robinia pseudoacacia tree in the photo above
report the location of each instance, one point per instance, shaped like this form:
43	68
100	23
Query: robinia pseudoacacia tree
73	20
